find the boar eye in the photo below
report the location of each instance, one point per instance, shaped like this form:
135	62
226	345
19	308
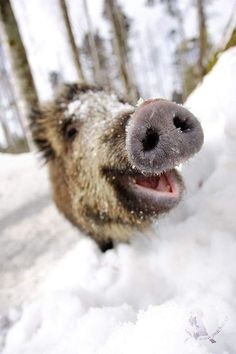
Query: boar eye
71	129
71	133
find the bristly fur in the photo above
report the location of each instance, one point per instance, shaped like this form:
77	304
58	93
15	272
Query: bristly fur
38	133
71	165
67	93
82	135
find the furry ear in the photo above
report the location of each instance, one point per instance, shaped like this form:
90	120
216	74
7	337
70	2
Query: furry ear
39	134
46	121
68	92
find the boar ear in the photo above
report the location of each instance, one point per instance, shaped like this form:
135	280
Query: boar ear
68	92
39	133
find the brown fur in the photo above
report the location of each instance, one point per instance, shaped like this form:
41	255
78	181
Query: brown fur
83	190
85	149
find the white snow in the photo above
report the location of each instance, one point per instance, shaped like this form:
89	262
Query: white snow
171	291
91	101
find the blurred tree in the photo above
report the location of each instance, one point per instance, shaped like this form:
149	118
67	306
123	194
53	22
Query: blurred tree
202	39
120	26
103	60
181	50
191	54
228	40
150	2
231	42
7	104
56	81
93	48
7	134
71	40
23	83
105	80
13	139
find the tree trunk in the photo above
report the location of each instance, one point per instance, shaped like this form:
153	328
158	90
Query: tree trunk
121	48
203	40
9	111
93	48
23	84
7	134
71	39
228	40
229	37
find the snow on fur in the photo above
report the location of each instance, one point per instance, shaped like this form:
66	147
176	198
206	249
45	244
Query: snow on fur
172	291
91	101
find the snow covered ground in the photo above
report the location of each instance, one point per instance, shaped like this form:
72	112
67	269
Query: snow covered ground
171	291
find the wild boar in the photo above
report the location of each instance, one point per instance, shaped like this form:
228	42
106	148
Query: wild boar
112	164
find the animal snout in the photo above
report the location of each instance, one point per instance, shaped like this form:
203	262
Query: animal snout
162	134
180	121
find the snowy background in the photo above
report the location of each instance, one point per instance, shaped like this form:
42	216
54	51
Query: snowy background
156	38
171	291
153	38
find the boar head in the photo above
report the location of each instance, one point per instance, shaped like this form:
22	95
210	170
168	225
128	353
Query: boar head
112	164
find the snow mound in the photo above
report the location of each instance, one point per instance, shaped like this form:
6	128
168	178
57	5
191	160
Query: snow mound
174	293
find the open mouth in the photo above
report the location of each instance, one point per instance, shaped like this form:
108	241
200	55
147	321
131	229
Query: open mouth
163	184
157	193
149	194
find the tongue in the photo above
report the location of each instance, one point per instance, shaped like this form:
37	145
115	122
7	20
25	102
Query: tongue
159	183
149	182
163	185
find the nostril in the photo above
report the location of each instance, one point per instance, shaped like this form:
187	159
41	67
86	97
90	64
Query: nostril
182	124
151	140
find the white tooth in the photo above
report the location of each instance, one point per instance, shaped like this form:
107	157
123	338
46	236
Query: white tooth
179	168
140	101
